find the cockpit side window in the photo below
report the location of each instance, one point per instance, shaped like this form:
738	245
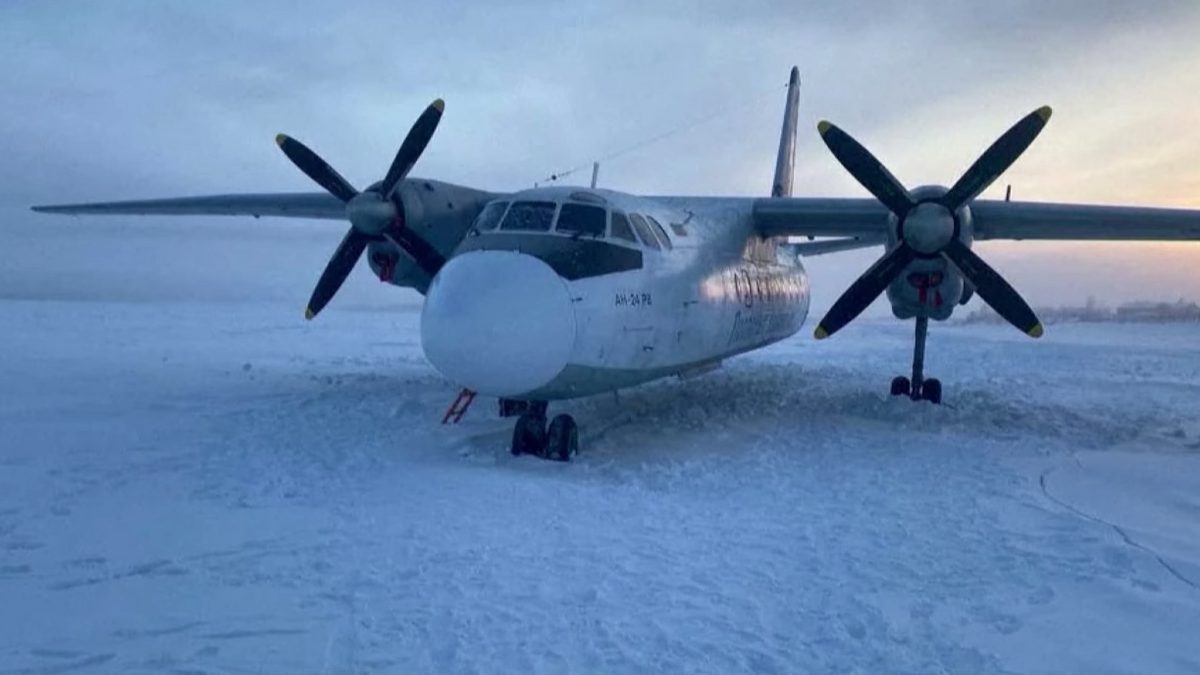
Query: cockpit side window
582	220
643	231
621	228
529	216
662	234
489	218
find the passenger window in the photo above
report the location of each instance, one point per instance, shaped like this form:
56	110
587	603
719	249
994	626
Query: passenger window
578	219
489	218
643	231
621	228
531	216
662	234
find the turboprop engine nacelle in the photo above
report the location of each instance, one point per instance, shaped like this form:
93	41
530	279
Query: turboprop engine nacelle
440	214
930	283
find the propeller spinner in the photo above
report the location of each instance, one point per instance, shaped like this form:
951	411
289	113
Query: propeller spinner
375	214
930	228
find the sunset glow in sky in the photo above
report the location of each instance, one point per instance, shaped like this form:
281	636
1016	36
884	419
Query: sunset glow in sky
160	98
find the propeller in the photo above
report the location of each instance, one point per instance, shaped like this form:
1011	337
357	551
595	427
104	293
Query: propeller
929	228
375	214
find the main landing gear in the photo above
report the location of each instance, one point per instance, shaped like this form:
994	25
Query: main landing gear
919	388
531	435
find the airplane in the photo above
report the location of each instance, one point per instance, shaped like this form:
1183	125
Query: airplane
559	292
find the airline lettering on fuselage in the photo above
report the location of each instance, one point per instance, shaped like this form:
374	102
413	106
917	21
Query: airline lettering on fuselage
752	327
633	299
768	299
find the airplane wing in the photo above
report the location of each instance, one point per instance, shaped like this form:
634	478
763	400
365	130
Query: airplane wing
865	220
809	249
1034	220
820	217
321	205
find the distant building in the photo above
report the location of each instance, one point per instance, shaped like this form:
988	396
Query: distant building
1179	311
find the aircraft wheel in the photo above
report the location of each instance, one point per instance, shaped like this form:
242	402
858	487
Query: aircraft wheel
563	439
529	435
932	391
901	386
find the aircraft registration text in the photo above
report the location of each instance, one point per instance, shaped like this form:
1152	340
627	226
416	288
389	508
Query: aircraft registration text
633	299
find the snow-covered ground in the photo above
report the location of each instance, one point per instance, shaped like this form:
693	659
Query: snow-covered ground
219	486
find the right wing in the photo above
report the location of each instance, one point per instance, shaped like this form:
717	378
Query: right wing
321	205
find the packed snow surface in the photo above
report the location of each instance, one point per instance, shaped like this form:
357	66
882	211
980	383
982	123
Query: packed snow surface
221	487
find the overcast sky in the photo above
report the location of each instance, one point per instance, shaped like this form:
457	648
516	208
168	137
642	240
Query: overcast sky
130	99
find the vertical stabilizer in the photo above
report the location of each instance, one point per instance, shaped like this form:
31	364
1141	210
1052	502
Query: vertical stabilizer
782	187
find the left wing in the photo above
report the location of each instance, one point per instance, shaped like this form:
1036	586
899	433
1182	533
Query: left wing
866	220
809	249
820	217
1034	220
321	205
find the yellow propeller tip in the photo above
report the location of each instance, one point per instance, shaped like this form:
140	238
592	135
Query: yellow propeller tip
1036	331
820	333
823	126
308	313
1044	112
438	104
280	139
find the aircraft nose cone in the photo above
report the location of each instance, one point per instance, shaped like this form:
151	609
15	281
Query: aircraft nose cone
498	322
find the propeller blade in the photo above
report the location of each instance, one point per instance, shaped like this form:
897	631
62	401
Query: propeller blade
994	290
868	171
412	147
343	260
996	159
316	168
864	290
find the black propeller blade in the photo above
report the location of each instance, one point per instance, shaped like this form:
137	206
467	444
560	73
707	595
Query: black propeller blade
864	290
372	214
875	177
344	258
868	171
316	168
996	159
412	147
994	290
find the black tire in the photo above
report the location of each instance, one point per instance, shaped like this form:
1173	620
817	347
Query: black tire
932	391
901	386
562	439
529	435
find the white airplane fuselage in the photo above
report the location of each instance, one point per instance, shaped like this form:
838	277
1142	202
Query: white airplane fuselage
547	315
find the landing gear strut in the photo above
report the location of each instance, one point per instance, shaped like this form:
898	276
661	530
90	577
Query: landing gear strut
531	436
919	388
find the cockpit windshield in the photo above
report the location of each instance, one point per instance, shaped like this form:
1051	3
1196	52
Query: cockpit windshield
643	231
529	216
621	228
579	219
489	218
578	215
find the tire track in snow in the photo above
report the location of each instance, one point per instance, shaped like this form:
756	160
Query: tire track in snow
1129	541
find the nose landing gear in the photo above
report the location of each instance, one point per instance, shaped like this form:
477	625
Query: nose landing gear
531	436
919	388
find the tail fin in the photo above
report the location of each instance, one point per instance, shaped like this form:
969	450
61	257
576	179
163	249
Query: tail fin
782	187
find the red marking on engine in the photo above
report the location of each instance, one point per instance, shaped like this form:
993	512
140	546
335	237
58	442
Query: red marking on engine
923	282
387	266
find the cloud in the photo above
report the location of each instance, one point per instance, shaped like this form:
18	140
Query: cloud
154	98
